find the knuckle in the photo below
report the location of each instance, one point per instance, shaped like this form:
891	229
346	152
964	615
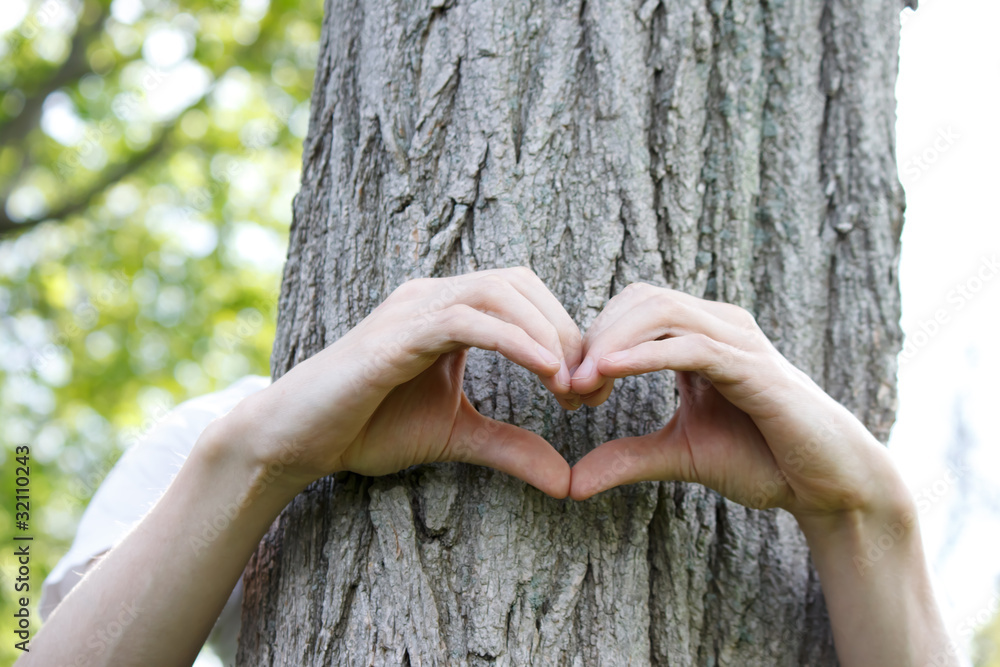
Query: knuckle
637	288
742	317
492	287
717	356
755	337
410	289
552	338
494	279
449	320
666	305
705	342
573	341
523	272
491	283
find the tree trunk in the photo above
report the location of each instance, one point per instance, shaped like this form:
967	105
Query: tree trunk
740	150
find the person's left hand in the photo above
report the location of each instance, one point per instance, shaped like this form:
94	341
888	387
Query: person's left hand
388	394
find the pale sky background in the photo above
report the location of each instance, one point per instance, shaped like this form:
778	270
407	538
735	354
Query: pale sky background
948	143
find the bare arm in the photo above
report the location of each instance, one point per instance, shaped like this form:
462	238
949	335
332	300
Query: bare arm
386	396
761	433
154	598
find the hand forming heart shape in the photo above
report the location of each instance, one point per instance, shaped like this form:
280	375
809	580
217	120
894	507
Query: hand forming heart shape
388	395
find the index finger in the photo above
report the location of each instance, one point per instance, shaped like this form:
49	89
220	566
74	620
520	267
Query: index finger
525	281
643	313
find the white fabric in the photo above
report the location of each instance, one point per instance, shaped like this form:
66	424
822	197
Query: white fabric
133	486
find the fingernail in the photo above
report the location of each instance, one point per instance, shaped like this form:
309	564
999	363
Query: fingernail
547	356
585	370
574	403
616	356
562	377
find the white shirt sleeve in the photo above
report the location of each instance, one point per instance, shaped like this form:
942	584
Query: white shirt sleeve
136	482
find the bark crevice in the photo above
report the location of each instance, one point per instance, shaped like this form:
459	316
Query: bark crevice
740	149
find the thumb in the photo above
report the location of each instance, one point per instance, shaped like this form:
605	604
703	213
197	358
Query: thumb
626	461
529	457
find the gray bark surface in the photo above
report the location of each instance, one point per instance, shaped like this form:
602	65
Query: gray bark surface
741	150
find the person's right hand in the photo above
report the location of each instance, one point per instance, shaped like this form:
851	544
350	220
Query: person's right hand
749	425
388	395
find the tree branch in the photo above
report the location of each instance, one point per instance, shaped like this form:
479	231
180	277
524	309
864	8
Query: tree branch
114	172
107	178
73	68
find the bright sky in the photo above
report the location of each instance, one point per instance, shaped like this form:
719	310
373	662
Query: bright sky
948	148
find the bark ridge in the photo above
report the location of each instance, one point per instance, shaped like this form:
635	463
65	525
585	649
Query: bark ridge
737	149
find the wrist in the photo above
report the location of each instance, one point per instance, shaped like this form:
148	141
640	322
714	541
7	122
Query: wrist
872	567
232	447
857	490
887	523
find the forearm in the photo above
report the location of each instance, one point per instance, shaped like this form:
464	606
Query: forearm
877	588
153	599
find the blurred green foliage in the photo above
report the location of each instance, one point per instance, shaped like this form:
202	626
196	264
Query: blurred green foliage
149	152
986	650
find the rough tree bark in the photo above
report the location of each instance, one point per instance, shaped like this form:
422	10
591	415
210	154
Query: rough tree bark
738	149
